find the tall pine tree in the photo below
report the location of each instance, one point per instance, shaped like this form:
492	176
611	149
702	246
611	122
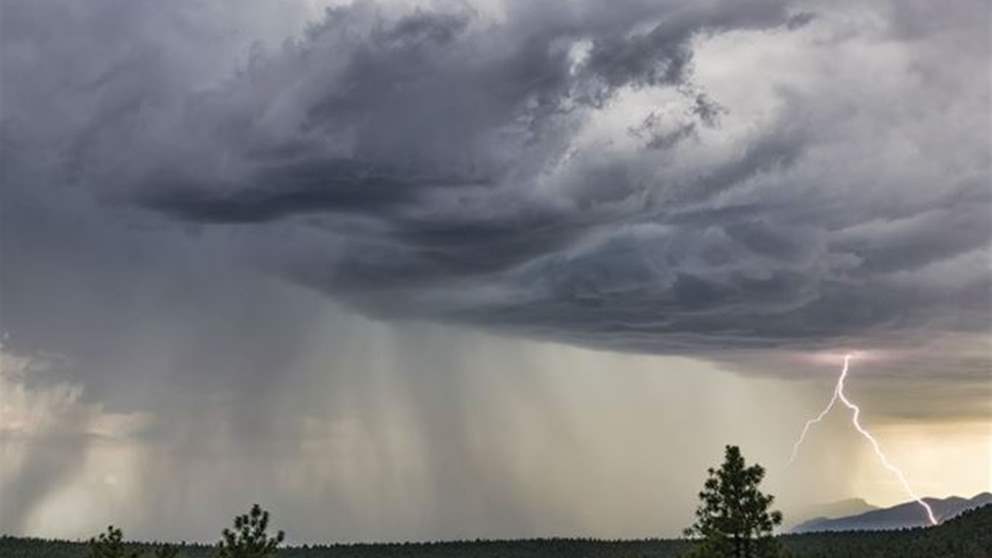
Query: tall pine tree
733	519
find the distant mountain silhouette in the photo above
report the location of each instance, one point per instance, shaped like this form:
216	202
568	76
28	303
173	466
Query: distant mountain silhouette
830	510
910	514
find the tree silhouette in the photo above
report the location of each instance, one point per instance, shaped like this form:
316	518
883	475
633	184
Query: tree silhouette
249	538
109	545
732	519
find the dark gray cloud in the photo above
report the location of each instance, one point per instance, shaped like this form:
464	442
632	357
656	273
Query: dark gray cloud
388	156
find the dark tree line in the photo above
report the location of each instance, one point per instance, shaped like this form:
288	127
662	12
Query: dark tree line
248	539
733	520
967	536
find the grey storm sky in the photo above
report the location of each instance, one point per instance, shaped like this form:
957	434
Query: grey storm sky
209	207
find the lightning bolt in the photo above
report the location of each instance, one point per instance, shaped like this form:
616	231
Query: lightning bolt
855	415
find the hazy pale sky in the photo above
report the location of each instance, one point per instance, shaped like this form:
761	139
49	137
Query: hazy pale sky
445	269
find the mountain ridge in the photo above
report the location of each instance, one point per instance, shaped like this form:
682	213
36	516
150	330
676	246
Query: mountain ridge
901	516
829	510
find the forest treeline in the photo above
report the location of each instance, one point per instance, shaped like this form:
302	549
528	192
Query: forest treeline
734	520
967	536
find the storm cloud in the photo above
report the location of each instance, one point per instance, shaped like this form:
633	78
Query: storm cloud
440	163
185	185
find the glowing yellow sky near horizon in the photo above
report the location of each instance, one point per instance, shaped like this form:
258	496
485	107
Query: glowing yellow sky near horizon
928	453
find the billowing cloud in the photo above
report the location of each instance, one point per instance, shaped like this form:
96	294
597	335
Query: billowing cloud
570	171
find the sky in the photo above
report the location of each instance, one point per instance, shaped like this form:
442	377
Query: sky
412	270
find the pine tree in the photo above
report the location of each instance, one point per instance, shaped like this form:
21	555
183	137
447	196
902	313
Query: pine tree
249	538
110	545
732	519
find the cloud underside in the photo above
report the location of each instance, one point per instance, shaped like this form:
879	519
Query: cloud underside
575	171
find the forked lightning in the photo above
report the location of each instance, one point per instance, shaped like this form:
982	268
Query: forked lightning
856	412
